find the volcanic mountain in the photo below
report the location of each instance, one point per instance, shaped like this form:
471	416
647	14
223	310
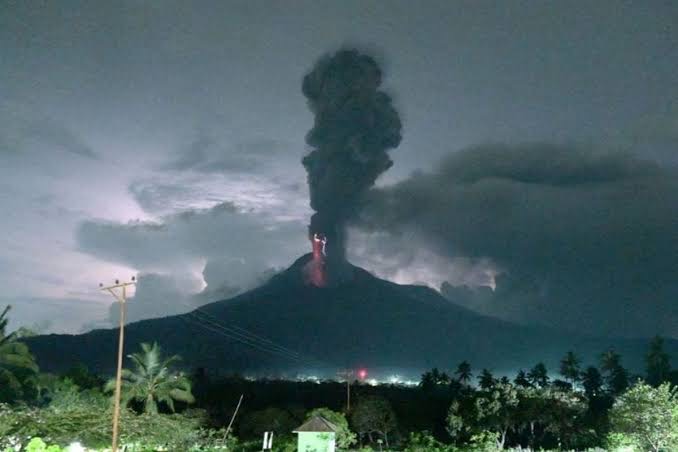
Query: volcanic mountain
287	326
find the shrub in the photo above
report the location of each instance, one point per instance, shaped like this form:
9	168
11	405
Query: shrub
484	442
38	445
91	426
425	442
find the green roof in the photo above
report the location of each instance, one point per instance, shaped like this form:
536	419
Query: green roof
316	424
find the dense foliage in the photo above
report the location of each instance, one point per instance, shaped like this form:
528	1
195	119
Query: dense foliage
649	416
17	365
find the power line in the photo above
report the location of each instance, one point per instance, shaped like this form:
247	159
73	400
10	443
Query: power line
224	331
251	337
257	346
240	337
249	334
246	335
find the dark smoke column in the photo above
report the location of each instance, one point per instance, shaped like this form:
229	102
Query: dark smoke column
355	125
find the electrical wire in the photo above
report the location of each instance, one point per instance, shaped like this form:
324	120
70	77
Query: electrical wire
246	337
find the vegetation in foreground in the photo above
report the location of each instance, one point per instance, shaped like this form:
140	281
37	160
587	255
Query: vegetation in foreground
591	408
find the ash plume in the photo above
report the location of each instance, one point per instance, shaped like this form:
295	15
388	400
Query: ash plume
355	126
584	238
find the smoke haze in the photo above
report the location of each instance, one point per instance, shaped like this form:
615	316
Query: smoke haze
584	239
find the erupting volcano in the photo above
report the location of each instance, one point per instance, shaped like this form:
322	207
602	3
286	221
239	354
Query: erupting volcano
314	271
355	125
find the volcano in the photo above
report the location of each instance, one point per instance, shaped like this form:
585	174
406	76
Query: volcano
287	326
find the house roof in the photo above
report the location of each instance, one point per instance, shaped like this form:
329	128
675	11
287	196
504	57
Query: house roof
316	424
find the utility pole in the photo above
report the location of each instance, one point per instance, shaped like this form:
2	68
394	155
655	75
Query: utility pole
230	424
122	298
348	373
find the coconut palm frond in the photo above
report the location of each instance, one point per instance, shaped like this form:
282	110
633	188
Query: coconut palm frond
151	381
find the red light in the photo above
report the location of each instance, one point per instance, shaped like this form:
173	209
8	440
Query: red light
362	374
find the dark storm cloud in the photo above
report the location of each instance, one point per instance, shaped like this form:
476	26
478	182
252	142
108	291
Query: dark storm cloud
193	234
586	239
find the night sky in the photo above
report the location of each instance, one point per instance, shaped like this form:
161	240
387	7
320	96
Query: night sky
536	180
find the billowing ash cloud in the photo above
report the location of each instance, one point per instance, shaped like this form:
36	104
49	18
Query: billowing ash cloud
355	125
585	240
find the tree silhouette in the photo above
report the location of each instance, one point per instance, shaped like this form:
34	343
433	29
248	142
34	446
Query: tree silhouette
570	367
270	419
432	378
616	377
427	381
463	372
521	379
16	360
657	362
486	380
592	382
151	381
538	375
374	415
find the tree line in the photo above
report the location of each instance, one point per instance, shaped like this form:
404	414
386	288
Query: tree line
465	409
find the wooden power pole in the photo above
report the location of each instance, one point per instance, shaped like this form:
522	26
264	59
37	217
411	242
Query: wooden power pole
122	298
348	373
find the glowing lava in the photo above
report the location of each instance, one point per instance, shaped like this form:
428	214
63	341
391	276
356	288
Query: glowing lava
319	242
314	271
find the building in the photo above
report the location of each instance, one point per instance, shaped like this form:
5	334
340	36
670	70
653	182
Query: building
316	435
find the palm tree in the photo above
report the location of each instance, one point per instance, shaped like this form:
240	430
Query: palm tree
152	382
521	379
15	357
486	379
616	377
657	362
538	375
592	382
463	372
570	368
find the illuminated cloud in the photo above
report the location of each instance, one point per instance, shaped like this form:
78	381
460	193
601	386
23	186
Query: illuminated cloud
196	256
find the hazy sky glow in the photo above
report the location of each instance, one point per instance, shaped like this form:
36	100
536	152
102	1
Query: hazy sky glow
165	139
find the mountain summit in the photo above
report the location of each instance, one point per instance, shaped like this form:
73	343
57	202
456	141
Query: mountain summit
289	326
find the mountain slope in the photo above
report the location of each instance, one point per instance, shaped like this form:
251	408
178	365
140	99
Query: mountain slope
367	322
